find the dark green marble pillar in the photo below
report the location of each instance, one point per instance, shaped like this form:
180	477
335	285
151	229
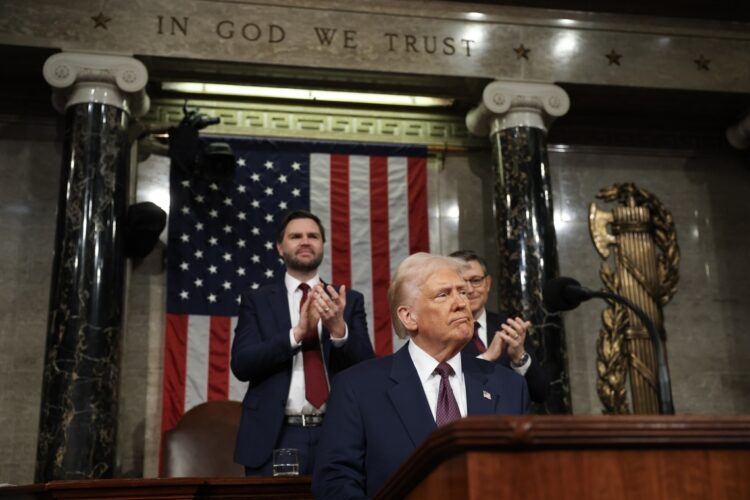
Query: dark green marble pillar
514	116
78	417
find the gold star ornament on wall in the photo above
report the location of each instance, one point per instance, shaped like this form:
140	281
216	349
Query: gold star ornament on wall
522	52
702	63
100	20
614	57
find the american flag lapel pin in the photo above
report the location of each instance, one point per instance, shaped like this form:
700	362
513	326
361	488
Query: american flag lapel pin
486	395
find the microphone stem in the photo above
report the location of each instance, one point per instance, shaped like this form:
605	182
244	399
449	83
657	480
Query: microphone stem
664	385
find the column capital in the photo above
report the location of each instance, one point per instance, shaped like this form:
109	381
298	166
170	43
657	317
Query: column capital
115	80
517	104
738	135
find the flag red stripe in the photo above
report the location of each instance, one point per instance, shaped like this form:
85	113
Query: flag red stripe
340	230
218	358
418	232
175	374
380	250
175	355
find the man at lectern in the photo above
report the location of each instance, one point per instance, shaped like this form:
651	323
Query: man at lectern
381	410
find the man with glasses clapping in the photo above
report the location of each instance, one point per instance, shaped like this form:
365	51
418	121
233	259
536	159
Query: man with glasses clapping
497	337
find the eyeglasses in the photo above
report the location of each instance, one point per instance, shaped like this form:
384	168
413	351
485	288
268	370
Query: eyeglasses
477	281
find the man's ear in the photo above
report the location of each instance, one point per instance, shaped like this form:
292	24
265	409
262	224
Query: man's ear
278	249
489	281
407	318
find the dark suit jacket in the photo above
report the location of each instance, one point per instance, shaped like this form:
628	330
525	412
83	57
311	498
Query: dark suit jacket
536	377
261	354
378	414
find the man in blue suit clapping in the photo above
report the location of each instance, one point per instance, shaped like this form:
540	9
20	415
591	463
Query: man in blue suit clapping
381	410
291	338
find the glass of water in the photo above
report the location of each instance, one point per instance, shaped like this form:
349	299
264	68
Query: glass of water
285	462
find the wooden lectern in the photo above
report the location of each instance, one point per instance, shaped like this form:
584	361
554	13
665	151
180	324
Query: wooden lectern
580	458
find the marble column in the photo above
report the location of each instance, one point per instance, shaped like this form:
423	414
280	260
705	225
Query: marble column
98	95
515	117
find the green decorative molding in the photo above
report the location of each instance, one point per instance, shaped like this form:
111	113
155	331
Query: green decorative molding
314	122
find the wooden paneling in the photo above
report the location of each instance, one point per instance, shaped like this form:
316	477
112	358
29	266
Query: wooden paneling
163	489
580	458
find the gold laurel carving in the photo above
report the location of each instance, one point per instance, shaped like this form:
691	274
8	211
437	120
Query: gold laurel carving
665	235
611	364
624	349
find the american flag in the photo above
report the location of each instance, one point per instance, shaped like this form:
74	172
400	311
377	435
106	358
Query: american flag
372	200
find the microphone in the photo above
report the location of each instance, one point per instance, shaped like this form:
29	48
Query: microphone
564	294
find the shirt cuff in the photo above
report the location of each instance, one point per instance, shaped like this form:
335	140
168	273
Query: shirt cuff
521	370
292	341
340	342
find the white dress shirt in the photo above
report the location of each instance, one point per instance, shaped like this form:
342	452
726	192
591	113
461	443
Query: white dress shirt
296	402
425	365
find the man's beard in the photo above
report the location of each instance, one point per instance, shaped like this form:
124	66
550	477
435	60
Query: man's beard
292	262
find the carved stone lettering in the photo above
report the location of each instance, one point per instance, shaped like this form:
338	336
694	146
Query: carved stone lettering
387	36
172	26
252	32
427	44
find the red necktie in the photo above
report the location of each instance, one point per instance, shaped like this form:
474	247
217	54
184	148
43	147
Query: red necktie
447	408
477	341
316	386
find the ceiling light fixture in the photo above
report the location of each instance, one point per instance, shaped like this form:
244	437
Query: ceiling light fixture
306	94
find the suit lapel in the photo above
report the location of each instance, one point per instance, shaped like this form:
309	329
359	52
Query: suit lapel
480	399
408	398
493	323
279	305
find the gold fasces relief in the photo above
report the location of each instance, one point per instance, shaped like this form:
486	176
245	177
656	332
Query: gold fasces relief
641	238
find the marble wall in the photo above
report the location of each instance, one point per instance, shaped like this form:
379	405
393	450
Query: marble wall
30	156
707	347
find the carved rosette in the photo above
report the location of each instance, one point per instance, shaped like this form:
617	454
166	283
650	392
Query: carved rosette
107	79
738	135
643	240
